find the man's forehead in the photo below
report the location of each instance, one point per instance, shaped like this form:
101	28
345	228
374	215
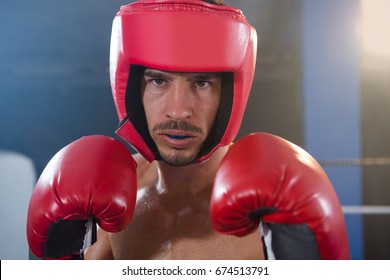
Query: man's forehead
205	75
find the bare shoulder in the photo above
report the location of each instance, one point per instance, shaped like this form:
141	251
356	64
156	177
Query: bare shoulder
146	171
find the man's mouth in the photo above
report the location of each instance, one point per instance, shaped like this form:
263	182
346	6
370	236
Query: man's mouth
178	140
177	134
178	137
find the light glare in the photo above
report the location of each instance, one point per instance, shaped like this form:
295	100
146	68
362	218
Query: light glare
376	26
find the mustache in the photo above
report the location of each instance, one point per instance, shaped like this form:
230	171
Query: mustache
177	125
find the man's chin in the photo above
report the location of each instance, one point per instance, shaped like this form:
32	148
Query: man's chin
177	159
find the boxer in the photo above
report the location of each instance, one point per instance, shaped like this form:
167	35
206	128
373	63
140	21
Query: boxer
181	73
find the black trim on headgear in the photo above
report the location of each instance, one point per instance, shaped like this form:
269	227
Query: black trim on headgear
223	115
135	109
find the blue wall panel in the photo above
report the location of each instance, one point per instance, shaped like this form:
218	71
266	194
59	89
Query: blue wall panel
331	98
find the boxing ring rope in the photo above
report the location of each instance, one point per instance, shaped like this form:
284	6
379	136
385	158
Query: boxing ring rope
366	209
367	161
356	162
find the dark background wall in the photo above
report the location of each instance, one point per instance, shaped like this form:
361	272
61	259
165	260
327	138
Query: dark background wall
375	96
54	84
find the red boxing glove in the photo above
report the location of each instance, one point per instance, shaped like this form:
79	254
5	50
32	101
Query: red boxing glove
91	180
266	180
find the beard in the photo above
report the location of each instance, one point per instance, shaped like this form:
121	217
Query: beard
178	157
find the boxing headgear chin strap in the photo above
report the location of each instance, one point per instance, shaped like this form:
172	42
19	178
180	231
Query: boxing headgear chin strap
181	36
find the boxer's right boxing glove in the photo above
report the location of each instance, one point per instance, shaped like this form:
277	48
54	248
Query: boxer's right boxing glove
91	180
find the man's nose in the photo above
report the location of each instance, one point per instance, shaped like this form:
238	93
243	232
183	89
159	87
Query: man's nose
179	103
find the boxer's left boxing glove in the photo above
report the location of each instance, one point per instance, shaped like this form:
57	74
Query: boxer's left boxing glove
92	180
269	183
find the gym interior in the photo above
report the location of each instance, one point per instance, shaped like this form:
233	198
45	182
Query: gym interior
322	81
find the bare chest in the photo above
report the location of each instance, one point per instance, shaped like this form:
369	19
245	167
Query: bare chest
212	246
158	232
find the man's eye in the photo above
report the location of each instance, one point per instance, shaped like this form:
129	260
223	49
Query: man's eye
158	82
202	84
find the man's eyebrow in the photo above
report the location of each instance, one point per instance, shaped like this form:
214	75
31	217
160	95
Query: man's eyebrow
154	74
202	76
206	75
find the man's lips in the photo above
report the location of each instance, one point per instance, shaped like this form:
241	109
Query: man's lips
177	139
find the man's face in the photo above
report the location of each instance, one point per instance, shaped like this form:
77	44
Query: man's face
180	110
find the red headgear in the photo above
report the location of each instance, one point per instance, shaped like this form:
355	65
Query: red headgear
181	36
